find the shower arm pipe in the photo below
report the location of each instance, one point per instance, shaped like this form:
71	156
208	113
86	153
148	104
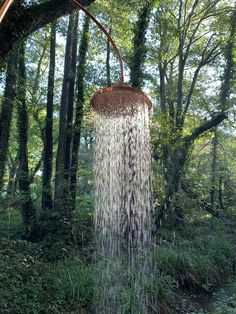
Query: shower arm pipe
4	8
108	37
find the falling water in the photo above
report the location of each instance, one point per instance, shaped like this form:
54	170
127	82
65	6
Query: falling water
123	212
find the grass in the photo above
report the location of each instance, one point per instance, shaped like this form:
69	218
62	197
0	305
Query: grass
10	222
43	278
202	263
30	284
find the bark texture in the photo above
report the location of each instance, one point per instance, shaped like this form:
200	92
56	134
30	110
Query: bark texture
47	202
6	112
83	49
61	182
27	209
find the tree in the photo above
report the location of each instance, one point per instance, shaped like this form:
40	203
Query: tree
183	41
61	178
213	190
139	47
47	200
83	49
6	112
27	209
23	19
108	65
70	105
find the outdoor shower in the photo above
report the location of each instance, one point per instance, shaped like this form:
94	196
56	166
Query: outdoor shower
123	215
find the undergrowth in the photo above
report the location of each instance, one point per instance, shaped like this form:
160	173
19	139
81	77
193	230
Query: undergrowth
43	278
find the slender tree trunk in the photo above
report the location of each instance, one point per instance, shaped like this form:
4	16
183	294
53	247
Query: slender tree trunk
108	66
174	161
33	172
27	210
68	213
83	49
13	172
60	201
6	112
213	191
47	201
70	105
221	193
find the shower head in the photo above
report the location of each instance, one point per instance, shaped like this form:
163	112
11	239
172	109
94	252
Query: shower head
119	100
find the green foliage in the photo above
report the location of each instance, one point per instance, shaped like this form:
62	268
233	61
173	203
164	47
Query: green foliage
30	284
138	57
226	299
11	220
48	277
200	261
84	221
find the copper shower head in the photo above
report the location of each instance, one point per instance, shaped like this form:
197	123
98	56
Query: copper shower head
119	100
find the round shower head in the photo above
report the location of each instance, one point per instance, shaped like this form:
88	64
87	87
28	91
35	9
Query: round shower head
119	100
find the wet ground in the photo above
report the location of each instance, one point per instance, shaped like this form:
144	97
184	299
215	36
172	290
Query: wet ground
222	301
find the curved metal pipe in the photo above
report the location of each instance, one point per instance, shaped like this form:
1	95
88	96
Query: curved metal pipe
4	8
108	36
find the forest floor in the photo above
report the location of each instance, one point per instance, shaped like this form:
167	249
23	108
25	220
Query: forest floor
221	301
198	267
220	298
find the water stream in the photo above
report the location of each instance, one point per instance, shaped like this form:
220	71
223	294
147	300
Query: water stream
123	213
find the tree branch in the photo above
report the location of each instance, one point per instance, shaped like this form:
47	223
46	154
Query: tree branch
230	63
35	170
21	21
205	126
206	59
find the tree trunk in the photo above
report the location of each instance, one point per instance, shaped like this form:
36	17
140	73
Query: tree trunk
6	112
108	66
27	210
47	201
70	105
139	47
221	193
174	161
83	49
12	181
213	191
60	198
